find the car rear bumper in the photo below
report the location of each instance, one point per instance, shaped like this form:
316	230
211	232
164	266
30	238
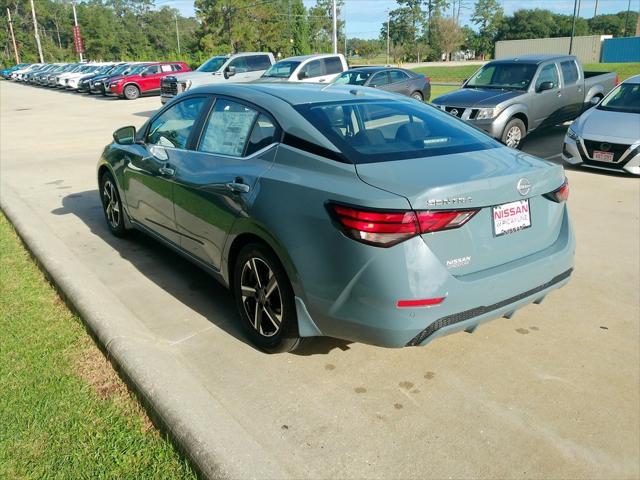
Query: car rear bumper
575	153
365	311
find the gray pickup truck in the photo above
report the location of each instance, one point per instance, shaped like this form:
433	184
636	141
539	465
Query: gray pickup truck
511	97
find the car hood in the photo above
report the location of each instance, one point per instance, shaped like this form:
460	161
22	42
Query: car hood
210	77
616	127
476	97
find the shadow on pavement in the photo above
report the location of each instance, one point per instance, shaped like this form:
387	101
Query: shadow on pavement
181	279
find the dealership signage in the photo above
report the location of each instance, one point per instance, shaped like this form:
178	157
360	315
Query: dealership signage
77	39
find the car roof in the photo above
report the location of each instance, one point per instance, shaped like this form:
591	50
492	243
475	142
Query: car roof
302	58
537	58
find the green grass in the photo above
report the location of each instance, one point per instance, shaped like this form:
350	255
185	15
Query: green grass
625	70
64	412
437	90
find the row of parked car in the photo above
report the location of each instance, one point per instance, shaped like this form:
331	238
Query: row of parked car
134	79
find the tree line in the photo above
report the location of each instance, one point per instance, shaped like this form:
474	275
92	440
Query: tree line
145	30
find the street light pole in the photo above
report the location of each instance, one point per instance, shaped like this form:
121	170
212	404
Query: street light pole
35	31
177	35
387	36
573	28
335	27
75	22
13	37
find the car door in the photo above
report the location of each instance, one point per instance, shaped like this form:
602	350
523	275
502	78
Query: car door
546	107
398	82
379	80
215	184
572	86
150	166
150	79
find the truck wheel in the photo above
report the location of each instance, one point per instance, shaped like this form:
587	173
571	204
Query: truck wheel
513	133
131	92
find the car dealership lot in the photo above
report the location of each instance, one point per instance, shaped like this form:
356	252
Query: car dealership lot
551	392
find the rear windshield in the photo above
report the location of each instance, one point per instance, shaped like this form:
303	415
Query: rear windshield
353	77
386	130
510	76
625	98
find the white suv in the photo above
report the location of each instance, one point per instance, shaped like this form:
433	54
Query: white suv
237	68
322	68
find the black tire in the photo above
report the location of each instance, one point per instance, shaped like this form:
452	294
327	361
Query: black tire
269	319
112	205
417	96
514	133
130	92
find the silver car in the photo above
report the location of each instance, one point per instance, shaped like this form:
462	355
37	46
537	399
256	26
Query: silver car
608	136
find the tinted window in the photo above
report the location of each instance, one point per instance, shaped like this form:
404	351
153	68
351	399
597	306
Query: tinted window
515	76
379	79
381	131
258	62
569	72
549	73
313	69
173	127
264	133
332	65
227	128
241	64
398	76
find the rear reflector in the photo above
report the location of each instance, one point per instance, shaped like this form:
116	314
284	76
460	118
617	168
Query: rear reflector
560	194
426	302
617	79
388	228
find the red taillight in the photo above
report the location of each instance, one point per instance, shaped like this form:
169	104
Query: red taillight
617	79
425	302
388	228
560	194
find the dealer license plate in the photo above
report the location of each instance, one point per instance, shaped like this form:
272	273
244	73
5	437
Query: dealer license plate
603	156
511	217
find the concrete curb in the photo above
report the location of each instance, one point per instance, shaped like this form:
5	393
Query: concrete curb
217	445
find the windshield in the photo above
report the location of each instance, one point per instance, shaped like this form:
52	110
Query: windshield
282	69
387	130
212	65
352	78
510	76
119	69
135	70
624	98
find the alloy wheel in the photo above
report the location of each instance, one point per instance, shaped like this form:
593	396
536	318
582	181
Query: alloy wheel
514	135
261	297
111	205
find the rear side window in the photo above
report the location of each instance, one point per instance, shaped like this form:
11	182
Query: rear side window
379	79
227	128
166	68
264	133
258	62
173	127
397	76
332	65
176	67
382	131
569	72
313	69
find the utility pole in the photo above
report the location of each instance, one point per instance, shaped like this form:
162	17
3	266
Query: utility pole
595	10
335	27
573	28
35	29
626	19
13	38
75	22
177	35
387	36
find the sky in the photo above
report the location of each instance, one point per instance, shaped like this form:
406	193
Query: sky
363	18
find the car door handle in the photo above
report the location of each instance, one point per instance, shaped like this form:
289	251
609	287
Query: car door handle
167	171
238	187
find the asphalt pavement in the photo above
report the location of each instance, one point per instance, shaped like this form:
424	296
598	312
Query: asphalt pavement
552	392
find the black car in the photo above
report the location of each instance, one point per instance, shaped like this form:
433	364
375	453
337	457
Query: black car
84	85
97	83
396	80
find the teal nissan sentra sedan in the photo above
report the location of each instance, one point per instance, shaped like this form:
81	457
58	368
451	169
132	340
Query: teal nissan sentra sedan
342	211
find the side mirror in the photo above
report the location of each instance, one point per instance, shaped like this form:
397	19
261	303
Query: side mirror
594	101
302	75
125	135
230	71
545	86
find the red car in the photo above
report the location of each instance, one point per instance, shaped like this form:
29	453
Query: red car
144	79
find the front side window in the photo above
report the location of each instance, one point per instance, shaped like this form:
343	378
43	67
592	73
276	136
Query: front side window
382	130
512	76
549	73
332	65
173	127
227	128
240	64
569	72
152	70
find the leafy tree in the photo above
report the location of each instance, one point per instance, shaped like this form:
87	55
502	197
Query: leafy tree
321	25
449	35
487	15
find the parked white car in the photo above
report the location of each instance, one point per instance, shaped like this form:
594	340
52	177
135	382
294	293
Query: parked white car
607	137
72	80
19	74
237	68
319	68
